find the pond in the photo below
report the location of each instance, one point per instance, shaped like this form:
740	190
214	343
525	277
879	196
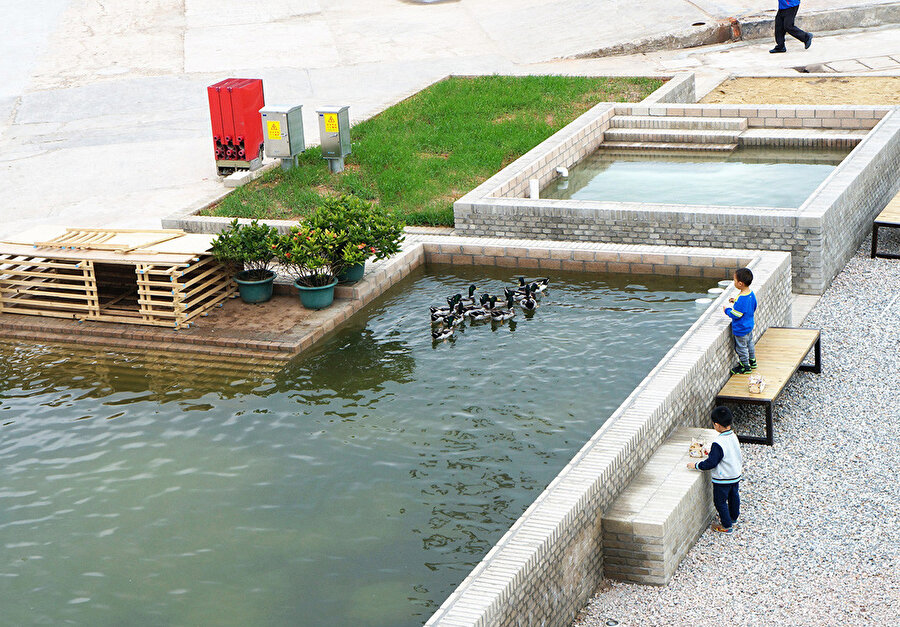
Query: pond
358	486
745	177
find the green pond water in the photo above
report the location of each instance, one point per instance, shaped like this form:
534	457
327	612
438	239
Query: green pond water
357	487
745	177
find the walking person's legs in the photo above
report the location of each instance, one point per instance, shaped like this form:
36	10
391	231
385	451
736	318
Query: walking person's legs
789	27
779	31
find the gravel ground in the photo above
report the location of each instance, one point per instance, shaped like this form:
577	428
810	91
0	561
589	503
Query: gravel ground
817	543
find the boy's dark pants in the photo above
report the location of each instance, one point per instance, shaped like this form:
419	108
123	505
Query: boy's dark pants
727	500
784	23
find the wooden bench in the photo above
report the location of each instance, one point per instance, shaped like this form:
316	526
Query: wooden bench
780	353
889	217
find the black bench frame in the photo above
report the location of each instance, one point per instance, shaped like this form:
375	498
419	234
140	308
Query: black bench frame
769	439
875	226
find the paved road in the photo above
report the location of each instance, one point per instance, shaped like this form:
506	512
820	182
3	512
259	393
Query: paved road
103	114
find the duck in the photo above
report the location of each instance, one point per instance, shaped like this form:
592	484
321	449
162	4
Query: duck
479	315
451	303
439	335
528	303
470	299
501	315
537	284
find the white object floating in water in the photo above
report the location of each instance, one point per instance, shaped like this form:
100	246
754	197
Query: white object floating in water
703	302
725	284
715	290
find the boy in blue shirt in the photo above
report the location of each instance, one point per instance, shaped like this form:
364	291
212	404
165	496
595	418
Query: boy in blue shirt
741	312
726	464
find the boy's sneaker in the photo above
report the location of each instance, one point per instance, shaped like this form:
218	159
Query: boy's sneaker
741	369
719	528
752	364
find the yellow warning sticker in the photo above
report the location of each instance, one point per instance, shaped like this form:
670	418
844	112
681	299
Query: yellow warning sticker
331	122
274	129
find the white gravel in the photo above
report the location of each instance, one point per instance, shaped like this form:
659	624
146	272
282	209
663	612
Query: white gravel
818	541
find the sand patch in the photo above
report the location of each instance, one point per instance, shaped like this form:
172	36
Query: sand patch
823	90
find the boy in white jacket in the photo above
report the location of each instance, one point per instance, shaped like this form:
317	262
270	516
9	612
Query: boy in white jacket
726	464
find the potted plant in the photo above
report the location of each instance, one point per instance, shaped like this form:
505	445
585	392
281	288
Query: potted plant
364	231
306	253
247	250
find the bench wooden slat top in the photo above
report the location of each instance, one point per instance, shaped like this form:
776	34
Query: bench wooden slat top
891	213
779	353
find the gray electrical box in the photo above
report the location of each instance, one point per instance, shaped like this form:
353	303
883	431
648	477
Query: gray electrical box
334	131
283	132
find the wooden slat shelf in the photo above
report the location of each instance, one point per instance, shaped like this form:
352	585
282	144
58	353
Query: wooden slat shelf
123	275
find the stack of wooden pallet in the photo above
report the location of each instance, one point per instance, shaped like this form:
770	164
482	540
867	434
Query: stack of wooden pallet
154	277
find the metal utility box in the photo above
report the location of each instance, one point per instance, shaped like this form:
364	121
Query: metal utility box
234	106
334	132
283	132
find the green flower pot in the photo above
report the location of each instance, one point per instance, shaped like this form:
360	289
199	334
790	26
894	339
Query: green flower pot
316	297
258	291
352	274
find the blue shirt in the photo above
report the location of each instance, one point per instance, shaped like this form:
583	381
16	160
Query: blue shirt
741	314
787	4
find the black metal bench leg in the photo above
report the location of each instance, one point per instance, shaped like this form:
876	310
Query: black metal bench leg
817	363
874	240
770	426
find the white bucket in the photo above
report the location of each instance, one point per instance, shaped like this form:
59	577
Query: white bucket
726	283
715	291
703	303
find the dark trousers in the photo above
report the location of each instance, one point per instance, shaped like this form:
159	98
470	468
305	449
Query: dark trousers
784	23
727	500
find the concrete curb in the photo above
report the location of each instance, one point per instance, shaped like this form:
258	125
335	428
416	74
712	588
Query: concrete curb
754	27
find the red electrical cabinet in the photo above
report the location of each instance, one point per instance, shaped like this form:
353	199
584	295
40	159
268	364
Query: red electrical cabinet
234	106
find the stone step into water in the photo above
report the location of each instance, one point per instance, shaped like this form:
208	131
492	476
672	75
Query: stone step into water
663	147
671	122
682	136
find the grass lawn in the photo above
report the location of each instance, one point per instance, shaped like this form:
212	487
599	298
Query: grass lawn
420	155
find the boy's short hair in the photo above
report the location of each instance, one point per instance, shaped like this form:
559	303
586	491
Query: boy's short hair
745	276
722	415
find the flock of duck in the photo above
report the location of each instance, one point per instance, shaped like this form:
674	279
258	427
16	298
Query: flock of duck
445	319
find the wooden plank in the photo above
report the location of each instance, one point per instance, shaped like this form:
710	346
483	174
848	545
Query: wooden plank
32	292
48	282
890	215
43	312
43	303
170	258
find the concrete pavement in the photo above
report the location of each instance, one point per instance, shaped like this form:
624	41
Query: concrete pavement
103	113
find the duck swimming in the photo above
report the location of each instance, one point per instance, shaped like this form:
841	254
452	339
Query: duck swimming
501	315
439	335
528	303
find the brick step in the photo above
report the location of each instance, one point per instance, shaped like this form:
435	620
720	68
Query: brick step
239	357
158	362
681	136
673	122
656	519
663	147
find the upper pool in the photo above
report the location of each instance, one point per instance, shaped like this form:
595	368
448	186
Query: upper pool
359	486
746	177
